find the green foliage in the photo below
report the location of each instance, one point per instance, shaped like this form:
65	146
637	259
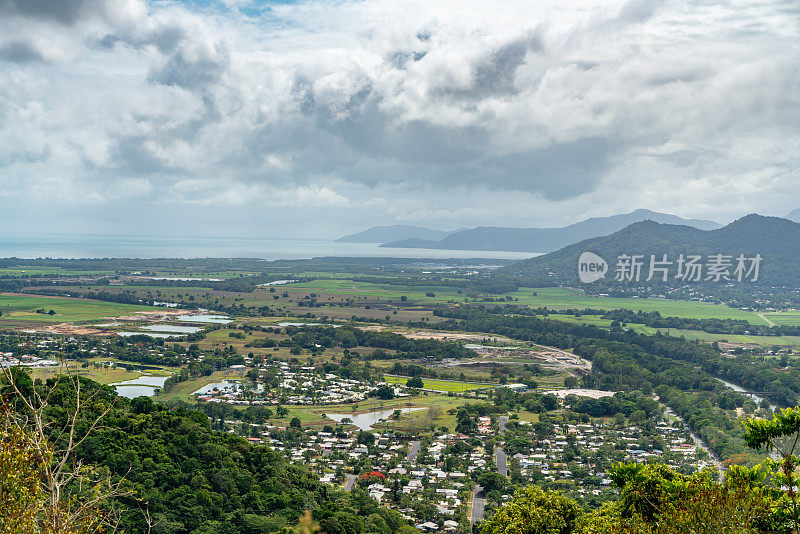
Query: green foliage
534	511
656	500
415	382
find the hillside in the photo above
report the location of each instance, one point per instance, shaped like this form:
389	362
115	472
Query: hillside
793	215
776	239
384	234
545	239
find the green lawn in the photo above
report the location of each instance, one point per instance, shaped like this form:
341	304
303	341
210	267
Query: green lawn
440	385
17	307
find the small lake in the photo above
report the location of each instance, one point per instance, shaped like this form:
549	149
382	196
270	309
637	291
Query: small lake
364	421
277	283
172	328
144	386
217	319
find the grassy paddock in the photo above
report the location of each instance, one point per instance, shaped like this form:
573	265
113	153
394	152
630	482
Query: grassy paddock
441	385
19	307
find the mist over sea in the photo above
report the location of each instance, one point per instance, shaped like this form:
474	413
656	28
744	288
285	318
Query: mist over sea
114	246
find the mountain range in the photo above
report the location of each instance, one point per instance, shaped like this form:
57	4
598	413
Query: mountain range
540	239
777	240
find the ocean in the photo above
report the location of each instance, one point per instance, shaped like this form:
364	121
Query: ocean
112	246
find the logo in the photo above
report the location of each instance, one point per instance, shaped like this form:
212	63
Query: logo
591	267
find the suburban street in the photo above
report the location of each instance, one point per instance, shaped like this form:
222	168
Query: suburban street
501	460
501	423
413	451
478	502
349	482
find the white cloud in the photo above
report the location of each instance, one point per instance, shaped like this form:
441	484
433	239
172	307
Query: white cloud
448	113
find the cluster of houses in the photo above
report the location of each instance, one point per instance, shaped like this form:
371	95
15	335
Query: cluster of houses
305	385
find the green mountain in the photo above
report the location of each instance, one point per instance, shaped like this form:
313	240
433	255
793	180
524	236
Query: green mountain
776	240
384	234
543	239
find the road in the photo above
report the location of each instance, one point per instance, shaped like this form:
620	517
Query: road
501	460
413	452
501	423
478	503
767	320
349	482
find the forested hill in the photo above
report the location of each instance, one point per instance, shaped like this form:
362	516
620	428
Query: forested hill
189	478
776	240
544	239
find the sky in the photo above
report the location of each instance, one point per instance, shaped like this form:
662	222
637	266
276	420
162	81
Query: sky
319	118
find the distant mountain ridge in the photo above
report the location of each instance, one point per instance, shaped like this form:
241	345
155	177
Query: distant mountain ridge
396	232
543	239
776	240
793	215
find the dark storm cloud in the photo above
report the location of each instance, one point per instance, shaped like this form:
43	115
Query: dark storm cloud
19	52
66	12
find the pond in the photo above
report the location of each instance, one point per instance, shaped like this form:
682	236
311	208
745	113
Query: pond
218	319
364	421
144	386
172	328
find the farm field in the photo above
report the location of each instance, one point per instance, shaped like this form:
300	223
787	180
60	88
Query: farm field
384	291
563	298
19	308
784	318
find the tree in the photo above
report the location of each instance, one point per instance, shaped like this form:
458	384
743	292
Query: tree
281	411
366	438
382	392
38	478
771	434
654	499
534	511
415	382
492	482
295	423
571	382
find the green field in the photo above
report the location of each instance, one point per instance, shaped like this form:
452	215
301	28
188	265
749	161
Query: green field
440	385
22	308
382	291
688	334
563	298
784	318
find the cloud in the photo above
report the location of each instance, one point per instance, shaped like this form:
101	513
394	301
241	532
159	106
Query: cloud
571	106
